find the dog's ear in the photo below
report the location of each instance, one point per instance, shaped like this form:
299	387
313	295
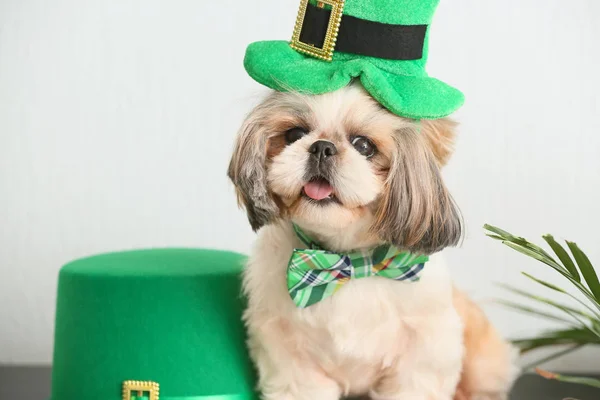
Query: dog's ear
416	212
247	171
440	134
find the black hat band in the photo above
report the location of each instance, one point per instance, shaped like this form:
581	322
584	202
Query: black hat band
367	38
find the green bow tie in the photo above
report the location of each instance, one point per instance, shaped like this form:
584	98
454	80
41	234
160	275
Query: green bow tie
315	274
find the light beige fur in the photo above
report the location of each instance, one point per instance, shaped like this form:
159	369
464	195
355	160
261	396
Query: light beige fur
390	340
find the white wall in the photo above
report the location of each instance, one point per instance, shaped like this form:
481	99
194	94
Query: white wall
117	119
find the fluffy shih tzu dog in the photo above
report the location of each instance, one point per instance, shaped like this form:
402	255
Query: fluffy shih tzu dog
338	182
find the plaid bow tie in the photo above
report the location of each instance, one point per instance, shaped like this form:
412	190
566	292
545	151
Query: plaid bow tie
314	274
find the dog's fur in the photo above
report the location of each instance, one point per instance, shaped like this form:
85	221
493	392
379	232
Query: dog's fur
390	340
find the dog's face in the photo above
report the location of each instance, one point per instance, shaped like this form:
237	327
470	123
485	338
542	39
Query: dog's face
340	162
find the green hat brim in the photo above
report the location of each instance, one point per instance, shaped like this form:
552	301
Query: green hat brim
276	65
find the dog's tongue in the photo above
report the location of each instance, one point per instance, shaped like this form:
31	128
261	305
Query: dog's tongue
318	190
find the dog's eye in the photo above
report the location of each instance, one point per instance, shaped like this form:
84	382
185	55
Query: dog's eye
364	146
294	134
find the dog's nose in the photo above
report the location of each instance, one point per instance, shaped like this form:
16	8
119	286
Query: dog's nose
322	149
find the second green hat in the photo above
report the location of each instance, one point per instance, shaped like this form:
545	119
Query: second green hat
132	324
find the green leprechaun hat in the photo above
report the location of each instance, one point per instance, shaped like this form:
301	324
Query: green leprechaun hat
153	325
382	43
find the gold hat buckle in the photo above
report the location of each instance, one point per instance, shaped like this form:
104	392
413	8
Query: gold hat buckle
333	27
140	388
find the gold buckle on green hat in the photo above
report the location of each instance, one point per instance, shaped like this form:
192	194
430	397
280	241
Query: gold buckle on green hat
140	388
333	27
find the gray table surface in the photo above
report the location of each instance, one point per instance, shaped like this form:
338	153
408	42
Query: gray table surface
33	383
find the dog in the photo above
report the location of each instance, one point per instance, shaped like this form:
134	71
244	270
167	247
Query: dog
352	175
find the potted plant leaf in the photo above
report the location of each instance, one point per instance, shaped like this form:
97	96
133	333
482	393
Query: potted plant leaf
582	287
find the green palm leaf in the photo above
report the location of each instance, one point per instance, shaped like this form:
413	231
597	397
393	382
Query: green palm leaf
533	311
522	246
569	379
574	336
517	240
563	256
584	326
544	283
586	268
559	306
